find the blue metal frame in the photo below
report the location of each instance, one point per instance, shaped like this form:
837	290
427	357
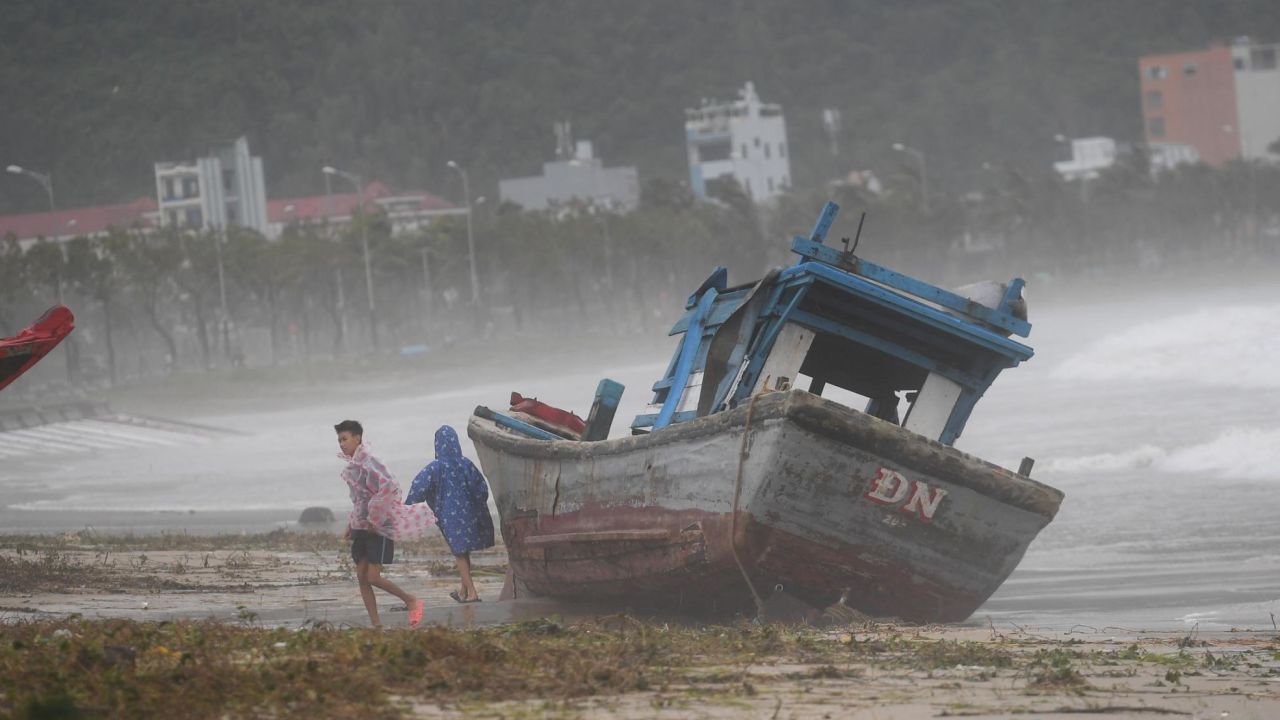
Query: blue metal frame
946	322
689	348
1000	317
726	304
760	351
521	426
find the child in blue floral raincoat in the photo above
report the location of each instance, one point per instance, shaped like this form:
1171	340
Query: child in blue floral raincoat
456	492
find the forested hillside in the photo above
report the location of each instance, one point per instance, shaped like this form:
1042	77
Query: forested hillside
95	91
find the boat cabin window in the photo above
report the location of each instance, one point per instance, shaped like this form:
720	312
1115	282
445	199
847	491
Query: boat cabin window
862	377
887	407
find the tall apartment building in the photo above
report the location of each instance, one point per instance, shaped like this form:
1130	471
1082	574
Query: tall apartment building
222	190
1223	101
744	139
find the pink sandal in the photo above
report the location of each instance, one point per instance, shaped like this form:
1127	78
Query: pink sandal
415	613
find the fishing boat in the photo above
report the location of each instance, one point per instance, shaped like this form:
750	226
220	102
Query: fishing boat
20	352
773	458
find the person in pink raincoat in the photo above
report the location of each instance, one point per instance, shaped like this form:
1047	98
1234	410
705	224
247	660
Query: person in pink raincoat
378	519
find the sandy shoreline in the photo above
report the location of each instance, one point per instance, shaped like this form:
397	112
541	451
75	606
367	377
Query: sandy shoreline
302	582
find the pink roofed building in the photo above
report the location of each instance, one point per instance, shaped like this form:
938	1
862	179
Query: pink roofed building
408	211
90	222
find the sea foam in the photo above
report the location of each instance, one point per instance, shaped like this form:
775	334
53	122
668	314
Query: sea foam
1231	346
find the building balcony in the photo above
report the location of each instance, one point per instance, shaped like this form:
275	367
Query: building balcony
707	130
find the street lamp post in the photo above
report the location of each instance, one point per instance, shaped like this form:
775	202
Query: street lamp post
364	245
46	181
471	243
224	318
924	174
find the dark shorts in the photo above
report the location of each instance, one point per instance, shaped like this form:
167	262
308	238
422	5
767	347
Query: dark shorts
372	548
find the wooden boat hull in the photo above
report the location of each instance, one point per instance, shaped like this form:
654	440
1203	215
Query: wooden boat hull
829	501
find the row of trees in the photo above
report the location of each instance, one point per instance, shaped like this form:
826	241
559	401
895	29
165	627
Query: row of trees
156	302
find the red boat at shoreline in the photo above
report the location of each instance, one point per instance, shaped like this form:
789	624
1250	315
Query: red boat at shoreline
20	352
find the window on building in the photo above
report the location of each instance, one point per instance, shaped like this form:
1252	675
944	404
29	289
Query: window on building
766	151
1239	63
744	151
1262	58
233	218
1190	69
193	218
168	188
1154	100
710	152
757	142
228	180
190	188
1155	127
782	149
1156	72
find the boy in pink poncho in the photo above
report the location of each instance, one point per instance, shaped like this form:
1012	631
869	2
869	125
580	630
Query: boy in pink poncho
378	519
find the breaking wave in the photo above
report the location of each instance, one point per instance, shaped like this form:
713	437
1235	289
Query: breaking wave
1238	453
1143	456
1241	453
1233	346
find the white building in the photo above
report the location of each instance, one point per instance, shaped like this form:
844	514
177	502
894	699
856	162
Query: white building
1166	156
221	190
1257	91
744	139
582	178
1089	157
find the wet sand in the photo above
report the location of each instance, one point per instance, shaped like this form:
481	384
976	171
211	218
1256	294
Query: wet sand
1000	669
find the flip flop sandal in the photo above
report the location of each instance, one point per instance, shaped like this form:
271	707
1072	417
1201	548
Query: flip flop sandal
472	600
456	597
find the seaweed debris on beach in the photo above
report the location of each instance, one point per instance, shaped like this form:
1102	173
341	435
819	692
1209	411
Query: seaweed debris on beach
613	666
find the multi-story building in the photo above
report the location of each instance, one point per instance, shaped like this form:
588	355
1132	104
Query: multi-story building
745	140
1223	101
221	190
581	178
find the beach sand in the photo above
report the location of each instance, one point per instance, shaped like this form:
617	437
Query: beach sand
303	581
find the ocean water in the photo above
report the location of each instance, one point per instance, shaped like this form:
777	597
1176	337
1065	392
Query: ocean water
1157	415
1160	420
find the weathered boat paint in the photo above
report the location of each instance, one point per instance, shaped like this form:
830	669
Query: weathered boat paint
823	511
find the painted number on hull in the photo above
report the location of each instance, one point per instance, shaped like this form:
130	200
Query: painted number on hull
911	496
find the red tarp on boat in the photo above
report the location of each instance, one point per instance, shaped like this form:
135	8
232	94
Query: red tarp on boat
551	419
20	352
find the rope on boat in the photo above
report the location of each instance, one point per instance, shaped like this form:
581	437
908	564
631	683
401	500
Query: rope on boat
737	491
